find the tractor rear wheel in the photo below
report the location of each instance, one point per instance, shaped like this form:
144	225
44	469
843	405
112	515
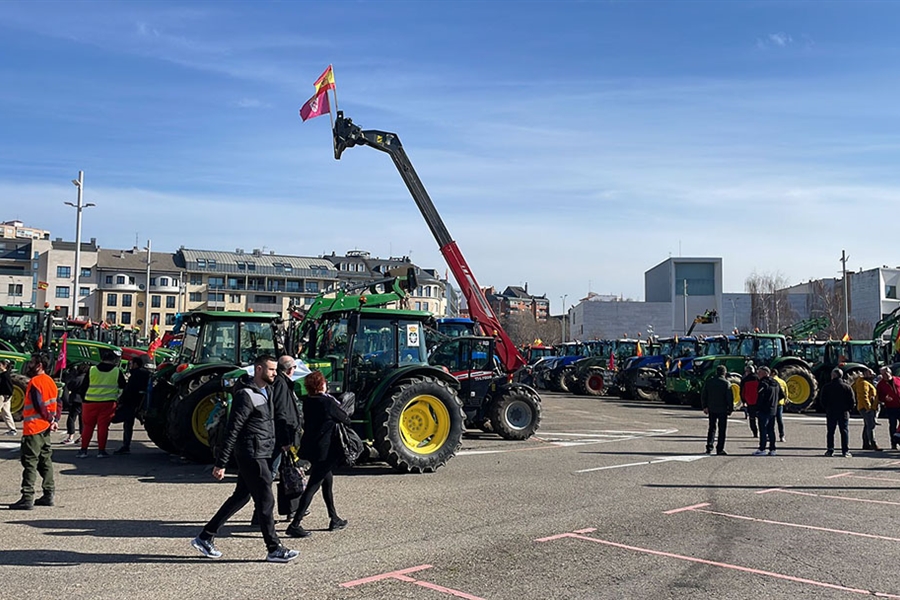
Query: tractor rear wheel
645	394
420	427
594	382
17	400
802	388
516	415
187	421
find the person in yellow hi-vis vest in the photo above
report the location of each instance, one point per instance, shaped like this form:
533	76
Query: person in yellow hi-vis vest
99	404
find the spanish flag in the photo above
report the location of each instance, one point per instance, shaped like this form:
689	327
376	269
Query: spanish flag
325	81
846	337
640	349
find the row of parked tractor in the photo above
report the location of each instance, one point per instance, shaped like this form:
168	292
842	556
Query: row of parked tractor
674	369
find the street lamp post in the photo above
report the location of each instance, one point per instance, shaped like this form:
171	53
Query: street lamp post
79	183
147	297
563	318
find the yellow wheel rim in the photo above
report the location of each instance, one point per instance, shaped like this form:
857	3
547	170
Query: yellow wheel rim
798	389
17	402
200	416
736	396
424	424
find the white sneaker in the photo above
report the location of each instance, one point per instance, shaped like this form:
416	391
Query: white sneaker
282	555
760	453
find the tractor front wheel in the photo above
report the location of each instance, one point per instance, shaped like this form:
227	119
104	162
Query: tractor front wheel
17	400
187	421
802	388
516	415
156	421
420	427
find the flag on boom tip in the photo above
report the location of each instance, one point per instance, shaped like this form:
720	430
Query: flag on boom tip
316	106
319	104
325	81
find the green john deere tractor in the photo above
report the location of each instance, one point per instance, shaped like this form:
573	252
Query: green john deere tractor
409	410
25	330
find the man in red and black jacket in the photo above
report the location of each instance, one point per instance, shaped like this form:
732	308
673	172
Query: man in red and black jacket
888	393
749	393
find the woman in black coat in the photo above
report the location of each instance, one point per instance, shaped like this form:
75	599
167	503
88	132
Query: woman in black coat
320	414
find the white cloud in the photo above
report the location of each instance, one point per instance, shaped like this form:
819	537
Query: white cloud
775	40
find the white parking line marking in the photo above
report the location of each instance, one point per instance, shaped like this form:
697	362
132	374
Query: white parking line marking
656	461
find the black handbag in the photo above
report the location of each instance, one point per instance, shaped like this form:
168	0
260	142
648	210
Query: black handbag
351	444
292	481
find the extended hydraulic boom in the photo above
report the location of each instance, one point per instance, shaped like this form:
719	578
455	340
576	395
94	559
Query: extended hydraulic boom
347	135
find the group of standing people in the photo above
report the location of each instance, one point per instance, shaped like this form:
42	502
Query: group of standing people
265	421
763	395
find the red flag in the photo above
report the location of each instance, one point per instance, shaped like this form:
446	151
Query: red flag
316	106
612	361
325	81
61	359
151	350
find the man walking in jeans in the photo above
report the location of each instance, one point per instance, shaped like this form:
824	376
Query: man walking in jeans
717	401
767	397
250	437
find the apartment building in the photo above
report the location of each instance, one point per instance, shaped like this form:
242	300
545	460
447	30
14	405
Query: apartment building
17	273
55	284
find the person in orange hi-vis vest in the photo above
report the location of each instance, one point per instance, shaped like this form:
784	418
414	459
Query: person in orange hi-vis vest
40	418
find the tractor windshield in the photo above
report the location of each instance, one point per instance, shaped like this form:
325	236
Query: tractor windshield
684	348
20	328
718	347
863	353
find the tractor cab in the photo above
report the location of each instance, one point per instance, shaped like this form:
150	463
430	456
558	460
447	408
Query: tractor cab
471	360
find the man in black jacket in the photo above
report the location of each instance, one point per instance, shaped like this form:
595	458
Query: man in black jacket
838	401
767	396
717	401
132	398
250	437
288	423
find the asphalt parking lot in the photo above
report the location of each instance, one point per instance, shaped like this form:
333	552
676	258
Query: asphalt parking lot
612	499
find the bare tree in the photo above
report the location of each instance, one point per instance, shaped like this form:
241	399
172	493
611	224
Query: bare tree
770	309
522	328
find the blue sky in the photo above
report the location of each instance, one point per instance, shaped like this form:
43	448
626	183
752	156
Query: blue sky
570	145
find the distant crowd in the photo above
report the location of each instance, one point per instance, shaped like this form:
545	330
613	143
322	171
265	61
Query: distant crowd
763	394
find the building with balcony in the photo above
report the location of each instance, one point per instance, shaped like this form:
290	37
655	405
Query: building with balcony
126	297
18	284
55	285
433	294
258	281
16	230
515	300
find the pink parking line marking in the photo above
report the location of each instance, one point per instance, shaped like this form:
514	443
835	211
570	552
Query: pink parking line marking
769	490
890	464
391	575
403	575
588	530
678	510
713	563
839	475
797	525
847	498
439	588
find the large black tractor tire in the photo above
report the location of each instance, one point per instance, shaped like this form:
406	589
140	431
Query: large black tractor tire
558	382
17	400
420	426
645	394
516	415
569	380
187	422
576	385
594	382
802	388
155	424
